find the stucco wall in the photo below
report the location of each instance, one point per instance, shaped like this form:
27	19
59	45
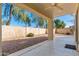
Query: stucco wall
13	32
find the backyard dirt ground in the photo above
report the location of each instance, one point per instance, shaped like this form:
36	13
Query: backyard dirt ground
12	46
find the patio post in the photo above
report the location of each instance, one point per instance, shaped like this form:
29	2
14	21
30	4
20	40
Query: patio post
77	28
50	29
0	32
50	26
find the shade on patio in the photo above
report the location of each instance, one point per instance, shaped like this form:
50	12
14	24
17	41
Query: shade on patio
52	10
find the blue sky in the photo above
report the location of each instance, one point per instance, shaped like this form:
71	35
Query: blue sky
68	19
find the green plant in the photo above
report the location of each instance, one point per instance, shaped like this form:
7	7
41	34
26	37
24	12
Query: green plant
59	24
30	35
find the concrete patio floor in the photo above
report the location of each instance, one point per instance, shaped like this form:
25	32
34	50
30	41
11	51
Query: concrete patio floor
50	48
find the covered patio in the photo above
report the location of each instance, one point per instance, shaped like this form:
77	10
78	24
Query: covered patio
50	48
52	10
54	45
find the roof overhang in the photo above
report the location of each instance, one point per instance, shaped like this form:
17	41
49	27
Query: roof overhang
48	10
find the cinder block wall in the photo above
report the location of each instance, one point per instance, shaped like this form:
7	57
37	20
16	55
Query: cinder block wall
14	32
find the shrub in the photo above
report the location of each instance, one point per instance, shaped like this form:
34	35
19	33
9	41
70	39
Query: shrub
30	35
68	33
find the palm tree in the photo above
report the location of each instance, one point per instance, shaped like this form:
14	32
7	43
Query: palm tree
63	24
25	19
19	14
8	11
39	21
11	10
59	23
46	25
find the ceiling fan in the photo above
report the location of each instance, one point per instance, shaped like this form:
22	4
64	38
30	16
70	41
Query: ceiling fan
55	5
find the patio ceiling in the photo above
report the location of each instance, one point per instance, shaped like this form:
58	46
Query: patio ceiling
49	9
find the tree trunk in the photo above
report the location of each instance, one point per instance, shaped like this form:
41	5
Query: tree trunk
10	15
26	30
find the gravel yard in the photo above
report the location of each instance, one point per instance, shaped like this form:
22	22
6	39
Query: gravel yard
12	46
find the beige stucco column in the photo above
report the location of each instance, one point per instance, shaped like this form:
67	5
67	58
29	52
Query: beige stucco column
50	26
0	32
77	28
50	29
